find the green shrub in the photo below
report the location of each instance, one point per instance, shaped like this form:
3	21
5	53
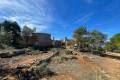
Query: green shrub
100	49
58	59
6	39
29	49
109	47
117	51
42	70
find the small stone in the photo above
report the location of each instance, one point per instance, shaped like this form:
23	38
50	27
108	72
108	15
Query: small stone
44	79
23	66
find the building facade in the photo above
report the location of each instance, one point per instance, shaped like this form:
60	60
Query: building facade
37	39
41	39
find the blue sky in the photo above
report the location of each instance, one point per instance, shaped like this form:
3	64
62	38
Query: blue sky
62	17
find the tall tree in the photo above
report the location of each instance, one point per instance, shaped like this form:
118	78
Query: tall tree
27	31
89	40
12	28
79	34
98	38
116	39
114	44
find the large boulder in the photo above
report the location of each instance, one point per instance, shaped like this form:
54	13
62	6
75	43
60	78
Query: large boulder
18	52
4	54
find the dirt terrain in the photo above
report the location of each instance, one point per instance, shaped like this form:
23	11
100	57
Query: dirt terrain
89	67
110	67
82	66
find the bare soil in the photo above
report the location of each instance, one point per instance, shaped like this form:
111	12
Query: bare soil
71	67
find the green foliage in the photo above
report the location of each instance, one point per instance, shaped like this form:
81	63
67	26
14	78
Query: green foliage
78	33
13	28
27	31
58	59
116	39
29	49
114	44
86	39
100	49
6	39
97	38
42	69
10	26
109	47
117	50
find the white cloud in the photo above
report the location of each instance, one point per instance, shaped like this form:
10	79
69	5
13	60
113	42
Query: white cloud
85	18
13	18
22	20
35	13
12	4
38	27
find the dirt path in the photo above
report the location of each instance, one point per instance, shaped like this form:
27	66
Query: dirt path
79	68
110	67
62	77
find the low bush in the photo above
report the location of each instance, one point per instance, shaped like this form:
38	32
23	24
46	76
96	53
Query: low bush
29	49
117	51
42	70
58	59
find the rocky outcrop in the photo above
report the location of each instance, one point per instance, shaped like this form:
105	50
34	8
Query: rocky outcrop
4	54
18	52
9	54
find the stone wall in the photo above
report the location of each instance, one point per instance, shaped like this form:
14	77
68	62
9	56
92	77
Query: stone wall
9	54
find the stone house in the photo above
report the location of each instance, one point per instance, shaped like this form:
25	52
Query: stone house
38	39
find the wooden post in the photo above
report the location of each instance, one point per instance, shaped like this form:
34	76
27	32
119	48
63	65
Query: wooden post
65	42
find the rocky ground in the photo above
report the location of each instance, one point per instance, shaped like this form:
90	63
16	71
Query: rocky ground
63	65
